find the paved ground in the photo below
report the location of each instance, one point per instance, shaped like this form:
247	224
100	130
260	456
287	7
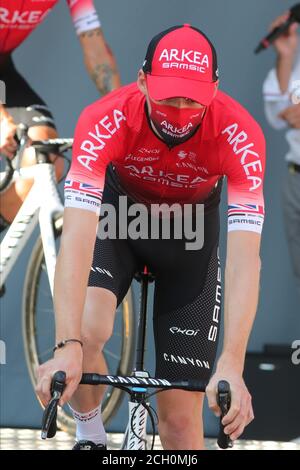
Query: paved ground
26	439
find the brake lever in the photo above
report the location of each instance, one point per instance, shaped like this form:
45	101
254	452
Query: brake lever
224	402
49	426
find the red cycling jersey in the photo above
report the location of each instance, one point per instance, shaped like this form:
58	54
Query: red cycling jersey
18	18
116	129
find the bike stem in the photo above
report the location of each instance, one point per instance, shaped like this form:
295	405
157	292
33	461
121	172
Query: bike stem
145	278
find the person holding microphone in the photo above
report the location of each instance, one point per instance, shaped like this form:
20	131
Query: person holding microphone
281	91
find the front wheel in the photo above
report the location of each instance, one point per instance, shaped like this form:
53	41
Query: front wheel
39	332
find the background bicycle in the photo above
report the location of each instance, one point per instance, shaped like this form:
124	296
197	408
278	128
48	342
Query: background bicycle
43	208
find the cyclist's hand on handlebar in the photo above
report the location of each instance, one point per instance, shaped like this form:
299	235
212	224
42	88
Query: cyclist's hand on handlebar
67	359
240	413
8	129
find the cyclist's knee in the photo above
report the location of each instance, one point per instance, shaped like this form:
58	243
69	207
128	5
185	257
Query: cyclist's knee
180	413
181	427
42	133
176	422
95	340
98	318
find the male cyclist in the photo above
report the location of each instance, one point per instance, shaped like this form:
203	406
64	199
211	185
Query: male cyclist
18	19
170	138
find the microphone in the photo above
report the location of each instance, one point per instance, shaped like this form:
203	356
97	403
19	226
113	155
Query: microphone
273	35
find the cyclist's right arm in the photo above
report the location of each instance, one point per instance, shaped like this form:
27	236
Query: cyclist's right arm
8	128
71	278
83	194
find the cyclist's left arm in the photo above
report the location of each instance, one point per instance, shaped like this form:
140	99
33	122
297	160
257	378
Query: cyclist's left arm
98	57
241	297
244	166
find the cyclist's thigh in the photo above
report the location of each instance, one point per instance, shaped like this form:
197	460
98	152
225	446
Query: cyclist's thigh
114	263
187	308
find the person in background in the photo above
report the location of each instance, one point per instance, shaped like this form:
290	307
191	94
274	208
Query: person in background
281	91
18	19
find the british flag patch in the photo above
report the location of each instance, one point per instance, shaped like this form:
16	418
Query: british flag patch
240	209
85	188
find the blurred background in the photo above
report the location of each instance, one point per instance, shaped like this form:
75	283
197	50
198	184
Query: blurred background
50	59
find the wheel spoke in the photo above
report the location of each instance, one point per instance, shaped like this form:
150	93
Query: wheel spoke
111	354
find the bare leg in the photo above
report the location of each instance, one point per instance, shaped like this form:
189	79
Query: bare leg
180	420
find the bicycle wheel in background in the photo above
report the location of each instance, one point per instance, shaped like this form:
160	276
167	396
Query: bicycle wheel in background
39	333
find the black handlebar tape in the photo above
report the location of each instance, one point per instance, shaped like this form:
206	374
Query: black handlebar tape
224	401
